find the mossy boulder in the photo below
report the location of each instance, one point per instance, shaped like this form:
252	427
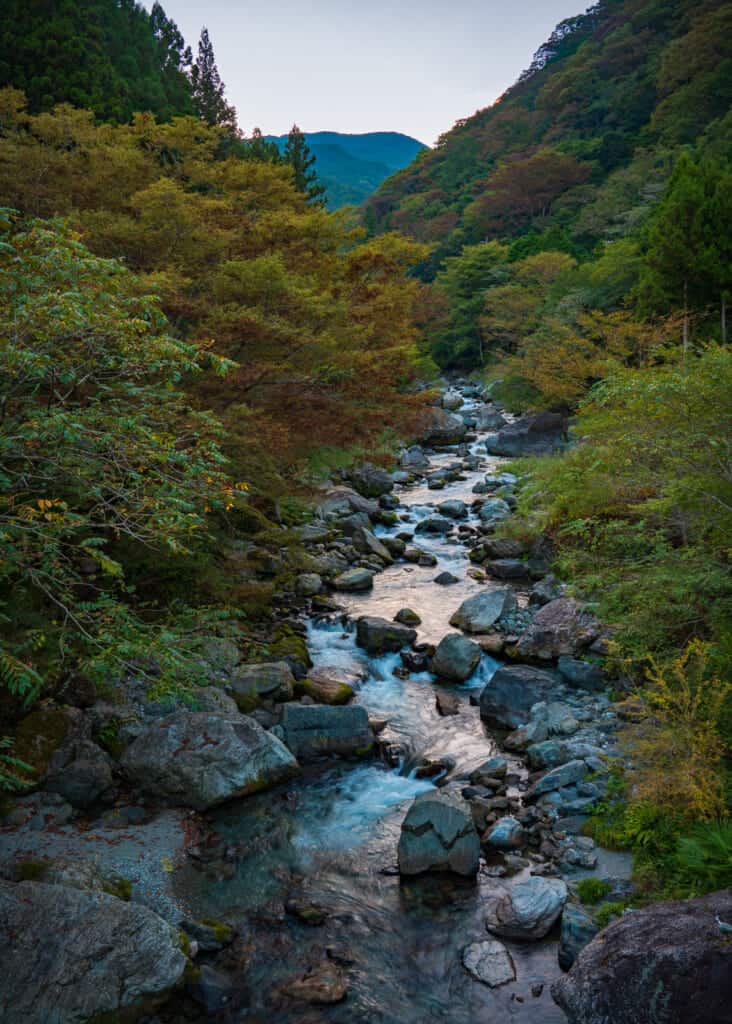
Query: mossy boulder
39	736
325	687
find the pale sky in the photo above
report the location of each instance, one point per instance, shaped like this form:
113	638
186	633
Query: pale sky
413	66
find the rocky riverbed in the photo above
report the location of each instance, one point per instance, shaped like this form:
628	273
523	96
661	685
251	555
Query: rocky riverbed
384	826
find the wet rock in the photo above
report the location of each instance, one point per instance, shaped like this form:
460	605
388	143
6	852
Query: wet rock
81	773
342	501
407	617
577	930
561	627
414	458
489	962
583	675
494	510
565	775
322	986
668	962
507	699
266	681
325	686
506	834
508	568
438	834
377	636
528	910
211	936
306	912
447	703
314	730
371	481
354	580
452	400
426	559
491	643
308	584
395	546
453	509
367	543
446	579
456	658
75	956
534	434
493	768
434	524
480	612
415	661
440	427
199	759
210	989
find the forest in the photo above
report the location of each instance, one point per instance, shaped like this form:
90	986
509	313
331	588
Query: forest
197	357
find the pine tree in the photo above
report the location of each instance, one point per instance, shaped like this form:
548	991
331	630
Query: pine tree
208	89
297	154
261	149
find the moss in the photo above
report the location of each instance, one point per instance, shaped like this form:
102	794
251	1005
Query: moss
119	887
224	932
39	736
339	694
287	643
607	912
108	739
33	869
247	702
185	943
364	751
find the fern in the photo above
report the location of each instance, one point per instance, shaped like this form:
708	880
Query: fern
12	769
18	678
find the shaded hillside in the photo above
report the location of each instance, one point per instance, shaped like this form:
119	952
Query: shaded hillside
353	166
584	141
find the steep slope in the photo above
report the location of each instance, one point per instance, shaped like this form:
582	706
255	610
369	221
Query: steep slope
585	138
353	166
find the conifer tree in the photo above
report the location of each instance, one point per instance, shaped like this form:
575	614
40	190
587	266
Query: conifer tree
208	89
297	154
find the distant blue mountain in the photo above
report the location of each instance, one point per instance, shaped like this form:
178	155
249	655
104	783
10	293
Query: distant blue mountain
353	166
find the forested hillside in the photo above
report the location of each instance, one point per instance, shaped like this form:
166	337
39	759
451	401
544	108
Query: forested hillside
351	167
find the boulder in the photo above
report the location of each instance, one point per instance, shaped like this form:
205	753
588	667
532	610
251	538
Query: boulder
534	434
490	419
489	962
354	580
506	834
321	986
560	627
308	584
498	548
564	775
325	686
546	590
446	579
371	481
452	400
582	675
377	636
453	509
528	910
508	697
413	458
456	658
407	617
266	681
669	962
366	543
578	929
481	611
494	510
508	568
434	524
314	730
73	956
81	773
438	834
441	427
199	759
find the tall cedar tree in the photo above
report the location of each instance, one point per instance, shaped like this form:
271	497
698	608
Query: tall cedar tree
208	89
297	154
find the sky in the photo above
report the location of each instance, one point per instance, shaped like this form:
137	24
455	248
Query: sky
413	66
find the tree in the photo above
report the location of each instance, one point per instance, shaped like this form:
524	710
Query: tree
208	89
297	154
259	148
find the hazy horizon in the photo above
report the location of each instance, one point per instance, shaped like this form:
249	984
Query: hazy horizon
414	68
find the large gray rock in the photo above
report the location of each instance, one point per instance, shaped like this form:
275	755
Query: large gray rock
453	508
367	543
71	956
488	418
489	962
583	675
441	427
534	434
506	834
354	580
528	910
81	772
342	501
269	680
414	458
565	775
456	658
377	636
561	627
199	759
494	510
371	481
438	834
666	964
578	929
313	730
480	612
508	697
452	400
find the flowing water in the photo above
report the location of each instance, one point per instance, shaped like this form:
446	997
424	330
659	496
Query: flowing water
331	837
